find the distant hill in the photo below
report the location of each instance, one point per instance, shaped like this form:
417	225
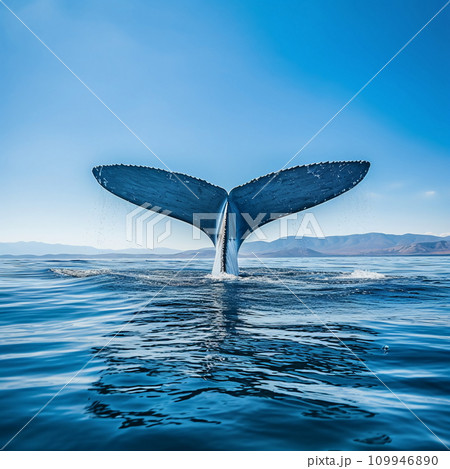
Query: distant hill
429	248
369	244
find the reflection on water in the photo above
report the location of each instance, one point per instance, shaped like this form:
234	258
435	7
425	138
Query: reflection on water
178	351
230	364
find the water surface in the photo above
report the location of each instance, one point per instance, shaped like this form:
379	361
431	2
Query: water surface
280	358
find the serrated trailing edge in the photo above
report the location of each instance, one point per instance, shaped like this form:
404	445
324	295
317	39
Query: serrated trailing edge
99	167
300	166
274	173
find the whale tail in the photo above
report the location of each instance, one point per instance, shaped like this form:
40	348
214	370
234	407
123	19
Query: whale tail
229	218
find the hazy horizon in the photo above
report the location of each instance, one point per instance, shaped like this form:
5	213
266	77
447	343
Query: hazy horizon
162	249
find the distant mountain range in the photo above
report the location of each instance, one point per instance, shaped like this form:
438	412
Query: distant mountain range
369	244
34	248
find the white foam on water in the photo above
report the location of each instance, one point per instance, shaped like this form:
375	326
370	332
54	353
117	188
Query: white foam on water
363	274
222	276
79	273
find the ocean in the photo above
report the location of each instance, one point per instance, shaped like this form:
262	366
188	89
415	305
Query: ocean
295	354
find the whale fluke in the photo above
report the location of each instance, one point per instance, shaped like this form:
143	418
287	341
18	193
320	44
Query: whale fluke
228	218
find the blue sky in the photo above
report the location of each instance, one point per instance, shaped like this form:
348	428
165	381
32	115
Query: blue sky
224	91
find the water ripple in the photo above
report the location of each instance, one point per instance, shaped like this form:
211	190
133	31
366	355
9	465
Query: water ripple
229	363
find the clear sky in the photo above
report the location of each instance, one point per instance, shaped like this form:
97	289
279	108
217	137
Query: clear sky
225	91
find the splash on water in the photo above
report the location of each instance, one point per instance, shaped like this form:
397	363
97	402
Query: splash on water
79	273
363	275
222	276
